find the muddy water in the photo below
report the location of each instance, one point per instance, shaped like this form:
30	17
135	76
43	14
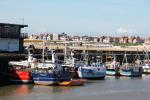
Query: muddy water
112	88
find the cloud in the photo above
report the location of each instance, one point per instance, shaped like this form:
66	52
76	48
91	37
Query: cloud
42	30
123	30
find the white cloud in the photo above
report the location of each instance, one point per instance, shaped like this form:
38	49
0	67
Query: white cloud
123	30
42	30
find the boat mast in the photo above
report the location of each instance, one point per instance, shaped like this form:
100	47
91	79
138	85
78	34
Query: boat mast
147	56
43	51
53	56
65	53
72	58
86	57
114	59
30	58
125	59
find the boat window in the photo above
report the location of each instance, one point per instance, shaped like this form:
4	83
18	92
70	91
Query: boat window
96	65
92	65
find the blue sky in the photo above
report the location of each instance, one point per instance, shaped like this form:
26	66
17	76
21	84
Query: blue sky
79	17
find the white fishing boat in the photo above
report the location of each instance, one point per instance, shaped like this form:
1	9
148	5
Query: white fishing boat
146	66
112	67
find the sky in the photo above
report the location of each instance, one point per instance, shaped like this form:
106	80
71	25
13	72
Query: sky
79	17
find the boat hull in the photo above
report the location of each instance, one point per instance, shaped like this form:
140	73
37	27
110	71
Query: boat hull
112	72
64	76
20	77
146	70
132	72
125	73
92	73
45	78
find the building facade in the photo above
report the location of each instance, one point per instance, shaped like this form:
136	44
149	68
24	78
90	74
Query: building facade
11	38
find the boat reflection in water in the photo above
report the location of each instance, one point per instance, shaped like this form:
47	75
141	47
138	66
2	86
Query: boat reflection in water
52	89
124	88
23	89
27	89
16	90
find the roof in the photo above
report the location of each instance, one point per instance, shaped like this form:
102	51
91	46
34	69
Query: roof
14	25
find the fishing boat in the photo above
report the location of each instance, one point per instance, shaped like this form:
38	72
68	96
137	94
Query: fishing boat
67	78
112	68
44	76
73	82
20	71
71	63
130	70
112	71
52	72
45	72
146	66
93	69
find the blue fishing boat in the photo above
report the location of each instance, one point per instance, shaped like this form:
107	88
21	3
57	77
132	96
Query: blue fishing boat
46	72
69	63
51	74
131	70
44	76
94	71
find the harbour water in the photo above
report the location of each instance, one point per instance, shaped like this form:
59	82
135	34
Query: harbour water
112	88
